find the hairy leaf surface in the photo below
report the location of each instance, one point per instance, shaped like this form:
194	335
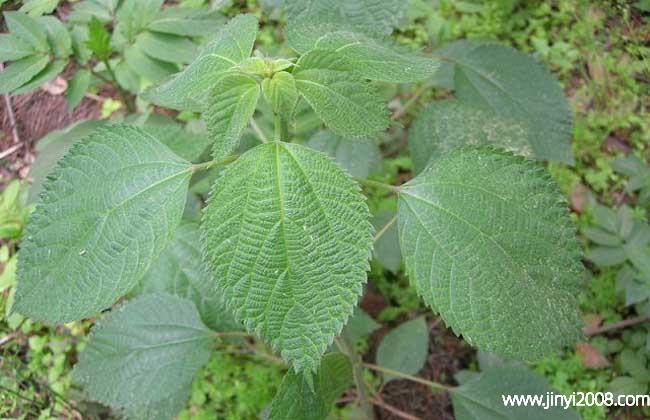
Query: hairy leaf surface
288	240
232	104
446	125
511	84
347	104
106	212
181	271
308	20
143	356
480	397
378	60
190	89
488	244
297	400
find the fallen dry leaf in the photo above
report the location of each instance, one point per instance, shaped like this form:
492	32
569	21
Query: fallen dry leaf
591	356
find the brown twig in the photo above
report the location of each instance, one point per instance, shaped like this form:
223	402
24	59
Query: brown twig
10	113
394	410
591	331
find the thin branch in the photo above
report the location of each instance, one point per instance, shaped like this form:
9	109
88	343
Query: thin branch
258	131
394	410
10	114
411	378
412	100
213	163
589	332
383	230
357	374
10	150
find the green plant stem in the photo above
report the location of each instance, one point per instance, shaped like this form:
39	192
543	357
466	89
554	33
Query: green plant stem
412	378
213	163
258	131
130	106
281	131
377	184
357	373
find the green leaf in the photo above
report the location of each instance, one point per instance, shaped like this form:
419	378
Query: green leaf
13	48
377	60
625	385
53	147
288	240
143	356
358	156
134	15
186	144
169	48
145	66
84	11
99	40
445	125
297	400
232	104
347	104
281	93
359	326
190	89
186	21
181	271
38	7
57	35
21	72
77	88
386	248
308	20
405	348
511	84
27	29
480	398
50	71
488	243
109	207
639	174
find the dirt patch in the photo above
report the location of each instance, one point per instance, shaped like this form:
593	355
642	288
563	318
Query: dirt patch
447	355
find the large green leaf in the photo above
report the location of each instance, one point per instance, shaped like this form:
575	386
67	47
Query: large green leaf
308	20
53	147
50	71
181	271
445	125
57	35
376	60
106	212
165	47
186	21
14	48
347	104
511	84
488	244
359	156
481	398
143	356
288	240
22	71
405	348
27	29
232	105
297	400
190	89
146	67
